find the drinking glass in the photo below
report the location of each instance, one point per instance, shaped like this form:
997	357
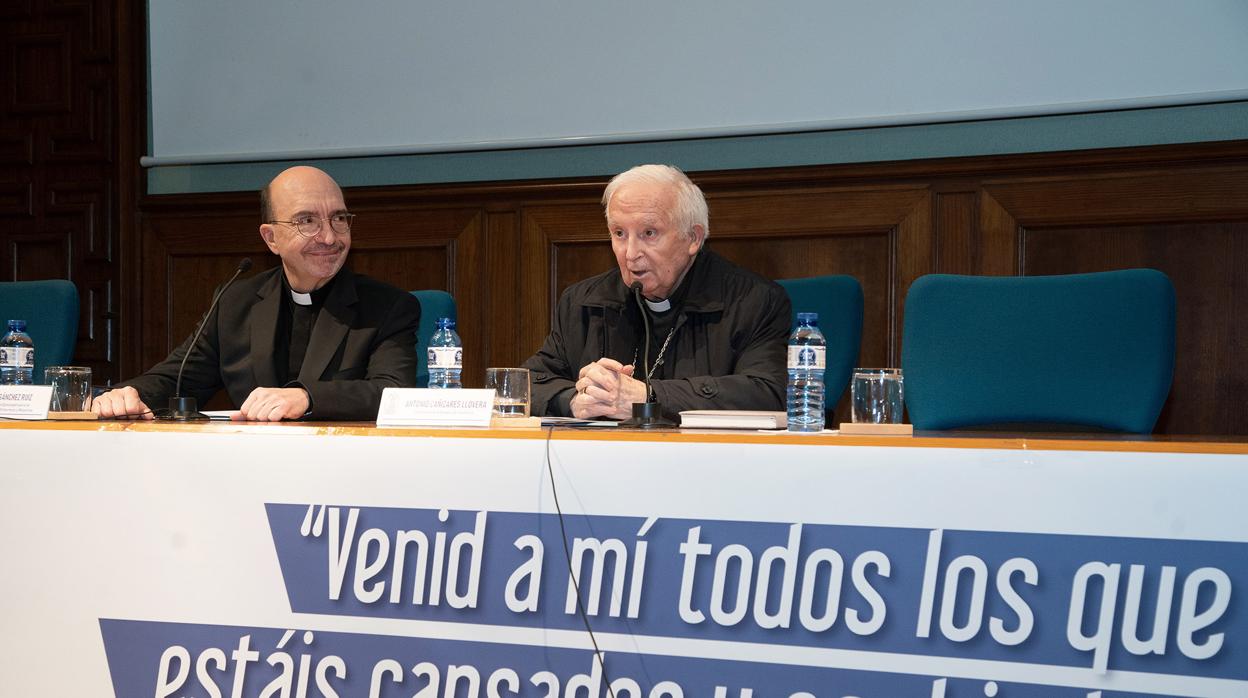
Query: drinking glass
71	388
877	395
511	391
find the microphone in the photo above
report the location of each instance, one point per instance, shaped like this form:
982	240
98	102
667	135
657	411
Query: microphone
648	414
186	409
645	320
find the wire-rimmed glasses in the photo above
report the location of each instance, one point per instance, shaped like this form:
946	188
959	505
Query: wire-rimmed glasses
309	225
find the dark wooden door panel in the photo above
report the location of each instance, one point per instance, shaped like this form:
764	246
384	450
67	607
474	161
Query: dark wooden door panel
67	111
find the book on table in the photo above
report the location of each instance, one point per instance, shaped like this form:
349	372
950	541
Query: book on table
733	419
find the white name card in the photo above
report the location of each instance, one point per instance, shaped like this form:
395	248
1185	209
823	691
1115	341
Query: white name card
433	407
26	401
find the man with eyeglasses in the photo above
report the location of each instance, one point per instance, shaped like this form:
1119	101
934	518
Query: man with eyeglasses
307	339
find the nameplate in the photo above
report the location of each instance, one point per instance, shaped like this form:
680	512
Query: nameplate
25	401
434	407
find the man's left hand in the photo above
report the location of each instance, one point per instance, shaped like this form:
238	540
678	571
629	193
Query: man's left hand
273	405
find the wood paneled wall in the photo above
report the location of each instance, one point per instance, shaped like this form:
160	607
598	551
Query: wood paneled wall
506	251
67	177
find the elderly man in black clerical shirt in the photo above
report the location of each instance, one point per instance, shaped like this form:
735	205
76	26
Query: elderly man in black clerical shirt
719	331
307	339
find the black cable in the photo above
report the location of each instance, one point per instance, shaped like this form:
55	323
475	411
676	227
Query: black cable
567	555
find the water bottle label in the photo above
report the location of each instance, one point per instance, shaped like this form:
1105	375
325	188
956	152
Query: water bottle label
805	356
20	357
446	357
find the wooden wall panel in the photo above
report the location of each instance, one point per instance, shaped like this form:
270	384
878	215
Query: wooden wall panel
42	256
192	276
62	171
1189	222
507	250
1206	263
559	244
957	233
1000	249
184	257
1137	195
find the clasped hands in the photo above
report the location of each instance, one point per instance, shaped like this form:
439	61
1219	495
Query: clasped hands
262	405
606	388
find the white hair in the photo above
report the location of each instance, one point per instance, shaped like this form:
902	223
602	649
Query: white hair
690	203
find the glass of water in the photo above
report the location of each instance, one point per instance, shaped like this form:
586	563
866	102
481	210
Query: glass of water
71	388
878	395
511	391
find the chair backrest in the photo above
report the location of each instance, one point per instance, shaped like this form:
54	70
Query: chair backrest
50	309
1093	350
433	305
838	300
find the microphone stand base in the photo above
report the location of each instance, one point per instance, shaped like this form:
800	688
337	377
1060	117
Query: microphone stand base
184	409
648	415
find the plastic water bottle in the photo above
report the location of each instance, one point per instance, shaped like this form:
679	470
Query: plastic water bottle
446	356
807	360
17	356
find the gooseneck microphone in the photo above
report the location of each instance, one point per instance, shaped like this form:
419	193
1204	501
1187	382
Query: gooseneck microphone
645	321
648	414
186	409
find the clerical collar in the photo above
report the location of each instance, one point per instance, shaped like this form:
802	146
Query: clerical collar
315	298
677	295
659	306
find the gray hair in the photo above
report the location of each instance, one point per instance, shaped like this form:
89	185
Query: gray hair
690	203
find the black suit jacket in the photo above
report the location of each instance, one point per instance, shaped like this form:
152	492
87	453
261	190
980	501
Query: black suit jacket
364	340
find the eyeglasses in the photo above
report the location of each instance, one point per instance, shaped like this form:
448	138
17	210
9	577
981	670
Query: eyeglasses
309	225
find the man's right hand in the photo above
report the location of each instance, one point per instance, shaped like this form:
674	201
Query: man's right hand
122	403
606	388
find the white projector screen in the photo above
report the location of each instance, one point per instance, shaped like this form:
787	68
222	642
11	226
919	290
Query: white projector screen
250	80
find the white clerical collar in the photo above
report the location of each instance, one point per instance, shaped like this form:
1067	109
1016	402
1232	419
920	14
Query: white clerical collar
659	306
300	298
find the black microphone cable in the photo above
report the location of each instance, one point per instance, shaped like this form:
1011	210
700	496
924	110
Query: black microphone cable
567	555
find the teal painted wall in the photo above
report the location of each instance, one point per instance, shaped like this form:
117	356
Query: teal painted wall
1139	127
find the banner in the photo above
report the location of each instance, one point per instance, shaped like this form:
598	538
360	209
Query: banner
281	563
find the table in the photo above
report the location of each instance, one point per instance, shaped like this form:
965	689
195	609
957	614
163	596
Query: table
343	559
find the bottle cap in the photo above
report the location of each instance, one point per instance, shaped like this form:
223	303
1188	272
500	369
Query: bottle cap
808	318
446	323
17	325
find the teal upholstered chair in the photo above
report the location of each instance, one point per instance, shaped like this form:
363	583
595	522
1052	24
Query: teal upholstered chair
838	300
1088	350
50	309
433	305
